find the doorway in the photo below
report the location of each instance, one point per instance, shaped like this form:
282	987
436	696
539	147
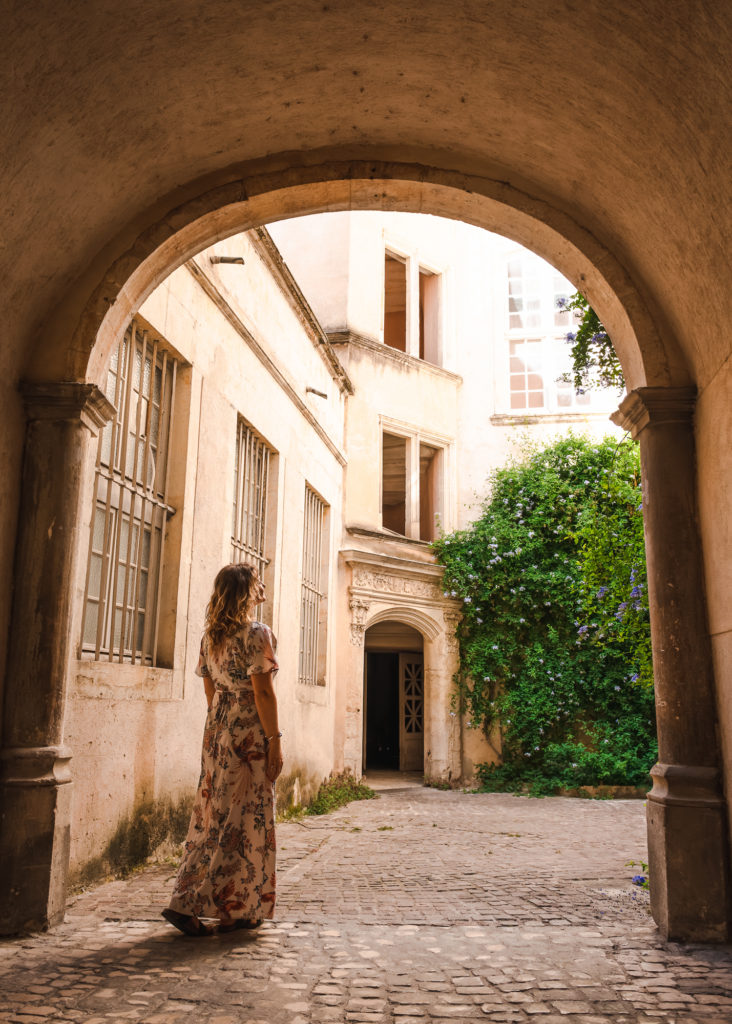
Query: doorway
393	698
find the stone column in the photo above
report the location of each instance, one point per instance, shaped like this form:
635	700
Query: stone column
687	835
353	753
63	418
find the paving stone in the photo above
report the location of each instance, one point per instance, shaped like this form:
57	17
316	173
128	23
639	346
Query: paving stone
462	922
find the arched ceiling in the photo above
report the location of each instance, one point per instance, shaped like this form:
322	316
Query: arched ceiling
609	114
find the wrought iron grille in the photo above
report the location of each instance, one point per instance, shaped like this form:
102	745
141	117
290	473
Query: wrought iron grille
130	506
312	589
251	482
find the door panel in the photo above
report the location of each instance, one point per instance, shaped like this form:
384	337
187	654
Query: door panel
411	712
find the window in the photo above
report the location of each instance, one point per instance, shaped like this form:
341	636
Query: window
412	308
537	349
251	496
411	502
429	316
394	483
313	603
395	302
130	510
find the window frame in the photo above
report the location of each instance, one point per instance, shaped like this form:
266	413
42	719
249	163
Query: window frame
312	653
550	335
123	480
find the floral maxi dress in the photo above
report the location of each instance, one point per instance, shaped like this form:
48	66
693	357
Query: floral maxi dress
228	866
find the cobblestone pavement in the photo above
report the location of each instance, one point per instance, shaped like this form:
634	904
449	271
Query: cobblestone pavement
420	907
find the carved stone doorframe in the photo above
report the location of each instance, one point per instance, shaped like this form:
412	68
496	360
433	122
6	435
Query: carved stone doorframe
385	587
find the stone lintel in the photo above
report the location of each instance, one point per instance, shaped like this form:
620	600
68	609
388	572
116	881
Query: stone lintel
656	406
35	766
72	401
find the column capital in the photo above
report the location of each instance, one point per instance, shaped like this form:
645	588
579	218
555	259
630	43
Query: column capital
69	401
655	406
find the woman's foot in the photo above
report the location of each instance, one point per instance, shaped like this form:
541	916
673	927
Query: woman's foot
236	925
187	923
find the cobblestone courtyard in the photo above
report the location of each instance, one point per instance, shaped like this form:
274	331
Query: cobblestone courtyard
421	906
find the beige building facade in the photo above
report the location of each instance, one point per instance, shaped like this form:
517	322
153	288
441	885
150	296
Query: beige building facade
324	422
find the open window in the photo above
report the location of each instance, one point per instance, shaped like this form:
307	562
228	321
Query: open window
412	485
394	483
430	490
429	316
395	301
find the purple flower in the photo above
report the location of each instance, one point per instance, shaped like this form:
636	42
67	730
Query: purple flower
602	591
570	336
639	880
562	302
635	592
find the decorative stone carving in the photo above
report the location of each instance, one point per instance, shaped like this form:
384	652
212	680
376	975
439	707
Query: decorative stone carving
388	584
452	621
359	612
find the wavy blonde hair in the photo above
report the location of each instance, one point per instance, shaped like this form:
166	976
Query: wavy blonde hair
235	593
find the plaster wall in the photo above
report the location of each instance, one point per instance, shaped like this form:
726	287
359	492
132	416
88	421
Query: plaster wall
135	731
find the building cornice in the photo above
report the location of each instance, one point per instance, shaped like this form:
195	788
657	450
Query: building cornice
271	256
210	289
392	355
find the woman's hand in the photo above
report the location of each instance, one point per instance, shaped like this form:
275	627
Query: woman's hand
274	759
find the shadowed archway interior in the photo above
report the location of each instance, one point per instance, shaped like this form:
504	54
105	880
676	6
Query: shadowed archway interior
255	113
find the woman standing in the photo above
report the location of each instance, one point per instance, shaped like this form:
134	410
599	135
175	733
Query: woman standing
228	866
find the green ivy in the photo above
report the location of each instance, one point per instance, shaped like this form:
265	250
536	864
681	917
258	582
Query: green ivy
555	638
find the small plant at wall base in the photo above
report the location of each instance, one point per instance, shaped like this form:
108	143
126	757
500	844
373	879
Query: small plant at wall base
594	361
555	638
337	791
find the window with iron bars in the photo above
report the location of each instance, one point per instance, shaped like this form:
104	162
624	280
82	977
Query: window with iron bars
312	605
130	507
251	493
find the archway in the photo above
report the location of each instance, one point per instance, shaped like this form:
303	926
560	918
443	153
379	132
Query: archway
95	315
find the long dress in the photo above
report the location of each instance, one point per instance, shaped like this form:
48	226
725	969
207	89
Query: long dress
228	866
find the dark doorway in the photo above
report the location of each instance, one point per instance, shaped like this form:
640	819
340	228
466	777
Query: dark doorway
382	710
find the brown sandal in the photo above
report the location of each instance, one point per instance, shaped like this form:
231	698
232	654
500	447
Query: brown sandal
187	923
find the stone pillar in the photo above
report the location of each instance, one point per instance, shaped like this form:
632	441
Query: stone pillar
686	813
353	743
35	793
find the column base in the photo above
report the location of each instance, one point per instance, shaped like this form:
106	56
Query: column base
35	832
687	854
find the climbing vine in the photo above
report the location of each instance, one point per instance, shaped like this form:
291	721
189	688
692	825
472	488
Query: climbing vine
594	361
555	639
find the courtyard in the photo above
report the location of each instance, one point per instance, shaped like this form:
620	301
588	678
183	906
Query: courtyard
420	906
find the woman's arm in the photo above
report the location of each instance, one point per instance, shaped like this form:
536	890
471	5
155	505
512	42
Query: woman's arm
210	689
266	702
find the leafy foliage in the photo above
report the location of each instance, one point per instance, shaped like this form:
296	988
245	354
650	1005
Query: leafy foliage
555	638
594	361
339	790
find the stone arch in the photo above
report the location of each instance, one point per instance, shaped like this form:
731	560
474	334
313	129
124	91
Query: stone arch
98	307
95	313
418	619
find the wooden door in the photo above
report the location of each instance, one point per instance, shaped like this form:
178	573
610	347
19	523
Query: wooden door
411	712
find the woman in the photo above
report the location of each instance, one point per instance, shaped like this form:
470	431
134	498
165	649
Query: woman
228	867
